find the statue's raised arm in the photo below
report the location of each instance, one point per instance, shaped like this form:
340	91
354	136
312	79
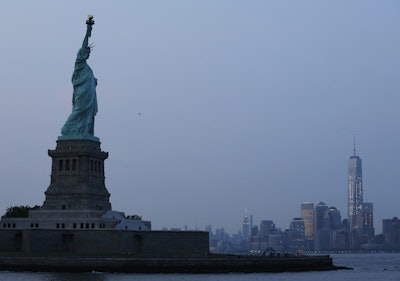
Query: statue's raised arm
89	24
80	124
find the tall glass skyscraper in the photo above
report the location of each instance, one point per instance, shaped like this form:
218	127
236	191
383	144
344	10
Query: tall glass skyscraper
246	225
368	221
355	196
307	215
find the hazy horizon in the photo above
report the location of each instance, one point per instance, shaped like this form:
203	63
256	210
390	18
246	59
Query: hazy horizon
209	107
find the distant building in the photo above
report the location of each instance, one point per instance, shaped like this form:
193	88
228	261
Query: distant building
335	231
328	228
307	216
391	231
335	219
297	239
355	200
266	227
208	228
321	238
254	239
368	222
246	226
276	241
342	236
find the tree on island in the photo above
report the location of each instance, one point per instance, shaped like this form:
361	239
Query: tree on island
19	211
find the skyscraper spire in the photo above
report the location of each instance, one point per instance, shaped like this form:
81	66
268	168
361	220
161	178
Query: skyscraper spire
246	224
354	145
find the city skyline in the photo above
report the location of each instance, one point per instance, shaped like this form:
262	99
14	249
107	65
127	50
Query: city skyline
207	108
359	213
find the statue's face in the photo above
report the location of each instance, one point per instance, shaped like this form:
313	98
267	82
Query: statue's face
88	53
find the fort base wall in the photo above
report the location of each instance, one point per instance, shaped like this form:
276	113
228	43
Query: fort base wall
105	242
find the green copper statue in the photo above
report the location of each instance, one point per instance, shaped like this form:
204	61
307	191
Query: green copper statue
80	124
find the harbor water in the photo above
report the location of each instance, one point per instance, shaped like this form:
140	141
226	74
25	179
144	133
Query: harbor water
371	266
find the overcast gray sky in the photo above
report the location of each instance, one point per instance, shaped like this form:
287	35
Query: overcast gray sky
209	107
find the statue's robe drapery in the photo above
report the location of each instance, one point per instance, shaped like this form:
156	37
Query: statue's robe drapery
84	101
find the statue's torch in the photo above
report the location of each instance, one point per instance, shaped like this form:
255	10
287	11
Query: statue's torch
90	20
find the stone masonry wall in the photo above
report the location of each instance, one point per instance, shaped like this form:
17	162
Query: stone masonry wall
106	242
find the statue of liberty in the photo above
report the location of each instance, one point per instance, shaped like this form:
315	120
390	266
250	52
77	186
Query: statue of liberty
80	124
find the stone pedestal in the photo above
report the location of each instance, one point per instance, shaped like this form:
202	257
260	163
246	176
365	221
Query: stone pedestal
77	177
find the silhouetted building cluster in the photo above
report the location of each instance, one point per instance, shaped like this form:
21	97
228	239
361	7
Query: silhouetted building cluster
319	228
329	233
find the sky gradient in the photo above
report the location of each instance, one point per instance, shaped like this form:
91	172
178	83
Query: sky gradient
209	107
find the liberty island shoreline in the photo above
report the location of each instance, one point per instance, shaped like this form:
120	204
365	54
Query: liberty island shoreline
367	267
211	264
